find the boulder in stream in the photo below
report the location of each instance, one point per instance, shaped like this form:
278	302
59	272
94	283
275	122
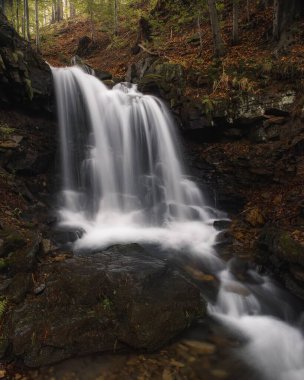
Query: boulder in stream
110	301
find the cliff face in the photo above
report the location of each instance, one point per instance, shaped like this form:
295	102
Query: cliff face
25	78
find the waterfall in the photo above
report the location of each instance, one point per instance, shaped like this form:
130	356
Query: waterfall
123	182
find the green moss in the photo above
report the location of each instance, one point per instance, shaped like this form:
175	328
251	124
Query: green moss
28	88
107	304
3	264
3	307
5	130
290	247
15	56
20	54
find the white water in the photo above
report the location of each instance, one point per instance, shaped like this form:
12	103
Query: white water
123	182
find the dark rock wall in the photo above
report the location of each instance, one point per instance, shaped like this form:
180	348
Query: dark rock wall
25	78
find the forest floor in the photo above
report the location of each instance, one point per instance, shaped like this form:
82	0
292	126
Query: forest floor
255	62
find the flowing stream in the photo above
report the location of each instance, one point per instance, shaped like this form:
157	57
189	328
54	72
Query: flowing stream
123	182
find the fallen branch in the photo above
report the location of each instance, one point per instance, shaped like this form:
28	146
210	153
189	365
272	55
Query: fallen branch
149	51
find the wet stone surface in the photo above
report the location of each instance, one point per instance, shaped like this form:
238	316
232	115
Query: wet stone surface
111	301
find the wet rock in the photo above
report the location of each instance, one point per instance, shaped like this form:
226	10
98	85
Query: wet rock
24	259
137	70
297	272
25	78
39	289
103	75
282	245
284	256
222	224
204	348
29	163
114	300
11	241
77	61
18	287
166	80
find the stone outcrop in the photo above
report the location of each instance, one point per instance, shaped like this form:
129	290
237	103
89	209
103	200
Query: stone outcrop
246	151
278	250
25	78
114	300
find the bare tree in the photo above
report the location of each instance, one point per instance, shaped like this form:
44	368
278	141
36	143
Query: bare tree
72	9
17	16
219	49
2	5
235	18
284	13
26	20
116	17
37	24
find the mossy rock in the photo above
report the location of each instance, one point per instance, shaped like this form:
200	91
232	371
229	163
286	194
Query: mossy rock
289	249
280	244
24	259
12	241
28	88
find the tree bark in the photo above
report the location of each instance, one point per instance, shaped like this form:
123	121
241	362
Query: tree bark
92	22
17	16
200	35
235	27
26	20
284	12
219	49
37	24
72	9
115	17
2	6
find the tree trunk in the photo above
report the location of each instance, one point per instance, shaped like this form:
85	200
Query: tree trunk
17	16
200	35
12	10
235	27
72	9
37	24
92	22
284	12
60	10
218	43
248	10
26	20
115	17
53	18
2	5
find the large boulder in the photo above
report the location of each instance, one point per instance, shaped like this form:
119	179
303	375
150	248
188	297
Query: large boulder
110	301
166	80
279	251
25	78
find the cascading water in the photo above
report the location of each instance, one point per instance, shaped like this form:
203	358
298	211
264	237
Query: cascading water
123	183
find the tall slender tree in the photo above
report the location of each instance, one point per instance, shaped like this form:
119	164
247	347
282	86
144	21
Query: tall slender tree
2	5
17	15
37	24
72	9
219	48
115	17
26	16
235	18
